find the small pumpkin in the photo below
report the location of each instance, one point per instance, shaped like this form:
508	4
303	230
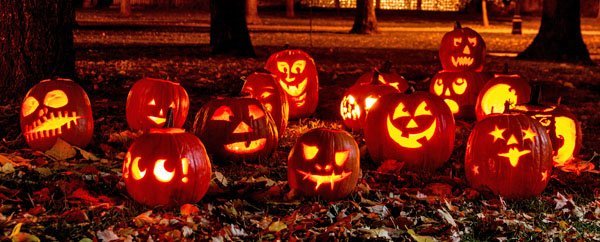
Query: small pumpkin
386	76
167	167
417	129
359	98
324	162
459	90
57	108
237	128
462	49
500	89
264	87
148	102
296	73
509	154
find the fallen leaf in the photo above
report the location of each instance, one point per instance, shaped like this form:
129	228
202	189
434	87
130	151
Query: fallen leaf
446	216
189	209
107	235
87	155
277	226
61	150
420	238
7	168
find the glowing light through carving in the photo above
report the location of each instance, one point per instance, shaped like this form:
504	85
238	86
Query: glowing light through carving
222	113
349	108
242	128
56	99
50	125
514	154
495	97
497	133
135	169
409	140
246	147
369	101
29	106
452	105
529	134
185	165
341	157
325	179
309	151
255	112
161	173
566	128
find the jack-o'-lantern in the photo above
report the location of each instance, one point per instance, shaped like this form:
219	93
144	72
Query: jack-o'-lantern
53	109
417	129
167	167
296	73
494	94
509	154
360	98
386	76
459	90
148	102
462	49
324	162
236	129
265	88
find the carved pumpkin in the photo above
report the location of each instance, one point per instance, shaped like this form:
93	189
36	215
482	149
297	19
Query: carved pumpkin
510	154
53	109
498	90
324	162
386	76
417	129
459	90
236	129
297	74
148	102
167	167
462	49
265	88
359	98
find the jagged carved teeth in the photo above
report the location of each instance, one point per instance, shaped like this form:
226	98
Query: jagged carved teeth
462	61
50	125
324	179
294	90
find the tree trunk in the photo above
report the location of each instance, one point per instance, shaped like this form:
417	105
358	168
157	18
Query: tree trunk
484	14
365	21
377	4
419	5
36	43
338	6
126	8
252	12
289	8
87	4
559	37
228	30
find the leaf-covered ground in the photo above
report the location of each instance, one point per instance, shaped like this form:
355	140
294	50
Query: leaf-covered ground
73	194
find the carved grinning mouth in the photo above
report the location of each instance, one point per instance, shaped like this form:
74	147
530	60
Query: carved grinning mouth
462	61
411	140
514	154
244	147
324	179
452	105
50	125
157	120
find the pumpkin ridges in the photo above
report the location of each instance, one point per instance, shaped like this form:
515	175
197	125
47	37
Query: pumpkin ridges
255	83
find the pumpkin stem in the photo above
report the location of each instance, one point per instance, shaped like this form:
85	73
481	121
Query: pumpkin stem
169	122
375	78
558	101
507	107
286	46
457	25
505	68
386	67
410	90
536	95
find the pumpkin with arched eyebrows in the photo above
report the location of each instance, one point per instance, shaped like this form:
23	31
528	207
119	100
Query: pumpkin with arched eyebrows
462	49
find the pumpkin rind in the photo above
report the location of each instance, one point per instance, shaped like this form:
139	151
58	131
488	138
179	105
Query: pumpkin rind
324	162
387	78
462	49
265	88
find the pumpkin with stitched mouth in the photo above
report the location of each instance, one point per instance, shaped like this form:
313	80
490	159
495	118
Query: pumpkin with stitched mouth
386	76
57	108
296	73
236	129
462	49
265	89
148	102
459	90
500	89
417	129
324	162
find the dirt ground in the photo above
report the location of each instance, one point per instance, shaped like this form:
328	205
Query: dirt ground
84	196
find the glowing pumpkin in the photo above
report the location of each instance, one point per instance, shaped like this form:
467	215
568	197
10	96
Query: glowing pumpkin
417	129
386	76
459	90
359	98
498	90
148	102
324	162
264	87
236	129
462	49
509	154
167	167
297	74
53	109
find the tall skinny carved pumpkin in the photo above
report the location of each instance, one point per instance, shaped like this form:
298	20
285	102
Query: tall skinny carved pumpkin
148	102
297	74
459	90
462	49
265	89
53	109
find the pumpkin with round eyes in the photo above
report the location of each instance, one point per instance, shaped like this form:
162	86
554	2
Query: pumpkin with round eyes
417	129
148	102
459	90
167	167
386	76
324	162
237	128
264	87
462	49
359	99
296	73
53	109
503	87
509	154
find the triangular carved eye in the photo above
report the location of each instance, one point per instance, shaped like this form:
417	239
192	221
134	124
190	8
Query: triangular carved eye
56	99
400	111
29	106
341	157
255	112
422	110
222	113
309	151
152	102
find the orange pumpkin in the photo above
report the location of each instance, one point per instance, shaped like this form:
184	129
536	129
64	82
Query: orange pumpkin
462	49
386	76
265	89
500	89
459	90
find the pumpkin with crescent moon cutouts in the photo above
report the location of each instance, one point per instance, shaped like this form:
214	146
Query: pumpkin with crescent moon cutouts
462	49
167	167
265	89
324	162
417	129
459	90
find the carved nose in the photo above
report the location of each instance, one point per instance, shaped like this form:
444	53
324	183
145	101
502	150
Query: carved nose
43	112
160	113
242	128
447	92
466	50
288	78
412	124
512	140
